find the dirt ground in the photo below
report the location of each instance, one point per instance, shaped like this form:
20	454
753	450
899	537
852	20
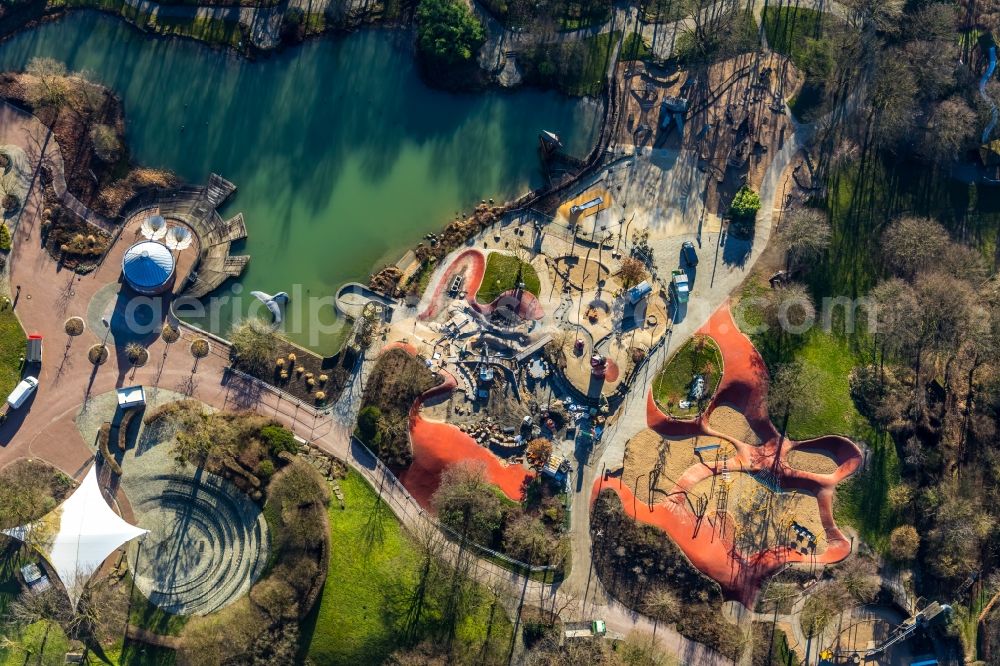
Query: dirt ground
752	508
642	458
812	460
581	274
735	120
729	421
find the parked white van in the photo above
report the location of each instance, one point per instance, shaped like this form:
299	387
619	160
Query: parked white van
21	392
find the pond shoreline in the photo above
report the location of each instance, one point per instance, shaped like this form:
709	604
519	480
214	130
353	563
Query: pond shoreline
467	119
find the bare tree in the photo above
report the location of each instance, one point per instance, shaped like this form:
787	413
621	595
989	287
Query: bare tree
949	132
806	233
47	85
911	244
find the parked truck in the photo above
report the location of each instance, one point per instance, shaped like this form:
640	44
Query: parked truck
585	629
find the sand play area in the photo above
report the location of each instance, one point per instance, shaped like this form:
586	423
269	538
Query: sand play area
761	517
654	463
582	275
729	421
754	501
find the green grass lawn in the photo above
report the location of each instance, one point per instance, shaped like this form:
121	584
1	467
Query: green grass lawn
153	618
788	30
12	348
576	67
803	35
501	275
635	48
361	617
699	355
834	412
40	643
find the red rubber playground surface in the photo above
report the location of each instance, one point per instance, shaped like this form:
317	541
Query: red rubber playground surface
472	264
710	546
436	446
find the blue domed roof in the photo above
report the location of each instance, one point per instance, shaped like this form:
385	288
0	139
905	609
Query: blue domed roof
148	265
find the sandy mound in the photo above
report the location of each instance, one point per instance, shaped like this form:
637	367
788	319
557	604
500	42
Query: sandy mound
729	421
812	460
762	518
662	459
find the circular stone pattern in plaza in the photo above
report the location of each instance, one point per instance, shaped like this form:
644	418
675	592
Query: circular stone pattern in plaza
208	541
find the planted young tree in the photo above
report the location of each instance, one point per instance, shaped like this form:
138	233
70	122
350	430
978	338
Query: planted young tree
538	452
743	211
633	272
136	354
254	346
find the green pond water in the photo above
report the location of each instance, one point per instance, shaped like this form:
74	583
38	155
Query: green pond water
342	156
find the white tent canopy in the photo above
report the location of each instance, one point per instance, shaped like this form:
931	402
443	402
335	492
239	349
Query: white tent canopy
78	536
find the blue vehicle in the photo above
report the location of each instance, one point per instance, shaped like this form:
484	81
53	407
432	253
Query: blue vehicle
689	254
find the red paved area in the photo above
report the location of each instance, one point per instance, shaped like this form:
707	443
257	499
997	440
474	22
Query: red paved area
525	304
436	446
472	264
710	548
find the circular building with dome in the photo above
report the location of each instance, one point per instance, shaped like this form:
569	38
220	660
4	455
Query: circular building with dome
148	268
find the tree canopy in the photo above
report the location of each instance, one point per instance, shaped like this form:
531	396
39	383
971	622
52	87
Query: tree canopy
448	33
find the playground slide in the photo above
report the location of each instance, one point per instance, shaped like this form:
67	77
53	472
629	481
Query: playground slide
982	93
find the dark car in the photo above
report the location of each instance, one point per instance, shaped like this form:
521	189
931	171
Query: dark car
689	254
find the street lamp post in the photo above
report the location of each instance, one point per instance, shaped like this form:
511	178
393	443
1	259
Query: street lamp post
107	331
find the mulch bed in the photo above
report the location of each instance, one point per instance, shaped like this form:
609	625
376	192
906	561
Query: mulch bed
337	368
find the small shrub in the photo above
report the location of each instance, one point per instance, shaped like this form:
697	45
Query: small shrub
266	469
199	348
106	144
323	379
278	439
280	363
320	396
300	369
97	354
4	237
292	358
135	353
169	334
284	374
74	326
